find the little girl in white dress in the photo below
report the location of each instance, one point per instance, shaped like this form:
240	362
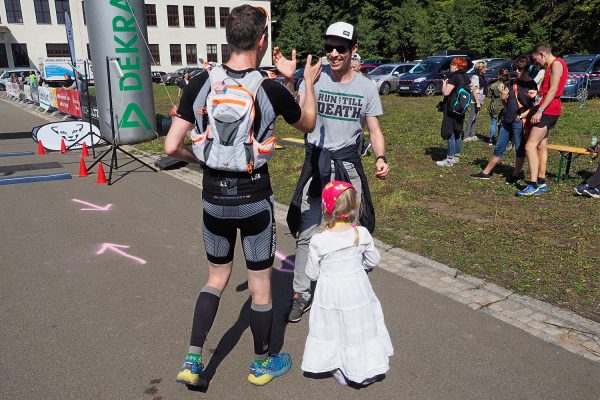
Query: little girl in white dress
347	334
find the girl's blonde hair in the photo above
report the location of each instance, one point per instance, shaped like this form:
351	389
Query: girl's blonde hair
345	210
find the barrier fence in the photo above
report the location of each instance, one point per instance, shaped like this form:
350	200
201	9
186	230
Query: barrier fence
65	101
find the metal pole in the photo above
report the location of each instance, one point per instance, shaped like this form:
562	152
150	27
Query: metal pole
87	91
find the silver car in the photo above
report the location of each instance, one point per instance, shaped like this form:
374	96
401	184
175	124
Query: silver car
386	76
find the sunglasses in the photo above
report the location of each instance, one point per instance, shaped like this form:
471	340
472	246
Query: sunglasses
342	48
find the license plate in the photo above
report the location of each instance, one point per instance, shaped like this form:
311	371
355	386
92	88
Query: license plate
404	88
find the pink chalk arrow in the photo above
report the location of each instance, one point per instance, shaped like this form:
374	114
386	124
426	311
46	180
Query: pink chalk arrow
117	249
93	206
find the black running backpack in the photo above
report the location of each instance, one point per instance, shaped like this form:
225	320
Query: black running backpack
460	99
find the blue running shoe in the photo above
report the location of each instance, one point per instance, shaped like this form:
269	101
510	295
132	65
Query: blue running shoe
263	371
530	190
190	373
542	188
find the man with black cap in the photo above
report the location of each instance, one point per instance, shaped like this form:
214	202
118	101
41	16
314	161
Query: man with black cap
347	101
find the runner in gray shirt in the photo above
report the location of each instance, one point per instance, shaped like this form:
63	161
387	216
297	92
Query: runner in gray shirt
347	102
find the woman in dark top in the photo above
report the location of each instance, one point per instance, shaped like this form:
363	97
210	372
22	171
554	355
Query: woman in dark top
452	124
518	97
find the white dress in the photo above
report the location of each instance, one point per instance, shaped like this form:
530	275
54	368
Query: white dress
346	326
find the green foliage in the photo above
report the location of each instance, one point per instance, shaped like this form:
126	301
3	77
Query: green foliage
409	29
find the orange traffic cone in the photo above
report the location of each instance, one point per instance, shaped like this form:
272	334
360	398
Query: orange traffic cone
101	175
41	150
82	168
63	148
84	151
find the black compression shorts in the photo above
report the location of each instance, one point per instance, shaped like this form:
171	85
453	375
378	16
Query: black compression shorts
256	222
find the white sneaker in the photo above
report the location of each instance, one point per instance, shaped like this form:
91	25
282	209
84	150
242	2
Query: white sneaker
447	163
455	160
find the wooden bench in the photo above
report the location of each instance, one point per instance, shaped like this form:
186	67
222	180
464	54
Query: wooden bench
566	153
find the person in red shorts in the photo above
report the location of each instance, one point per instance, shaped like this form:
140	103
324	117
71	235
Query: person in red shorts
544	117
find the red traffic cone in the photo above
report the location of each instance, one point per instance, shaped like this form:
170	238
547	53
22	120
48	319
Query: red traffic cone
84	151
82	168
101	175
63	148
41	150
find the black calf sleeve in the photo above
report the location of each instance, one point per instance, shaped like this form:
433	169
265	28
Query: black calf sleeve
261	320
204	315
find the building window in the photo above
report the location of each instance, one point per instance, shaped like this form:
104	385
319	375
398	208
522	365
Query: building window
191	54
173	15
211	52
13	11
225	53
83	9
42	11
189	19
154	54
209	17
175	54
3	56
19	53
151	14
57	50
61	7
223	14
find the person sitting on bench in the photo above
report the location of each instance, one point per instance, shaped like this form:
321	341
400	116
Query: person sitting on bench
591	187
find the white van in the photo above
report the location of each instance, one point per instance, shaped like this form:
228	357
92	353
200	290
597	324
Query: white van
6	75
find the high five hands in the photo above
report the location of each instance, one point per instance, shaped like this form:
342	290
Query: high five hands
288	67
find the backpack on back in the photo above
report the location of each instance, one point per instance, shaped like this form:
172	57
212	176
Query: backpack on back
228	144
459	100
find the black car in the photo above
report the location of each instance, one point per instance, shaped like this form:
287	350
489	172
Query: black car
192	71
174	77
157	76
426	77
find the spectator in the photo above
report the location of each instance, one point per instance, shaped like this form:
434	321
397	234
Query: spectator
591	187
32	79
519	97
356	65
452	124
495	107
13	78
545	116
184	82
68	83
23	79
478	97
332	148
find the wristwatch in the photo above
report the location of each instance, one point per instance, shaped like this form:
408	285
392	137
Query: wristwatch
541	110
382	157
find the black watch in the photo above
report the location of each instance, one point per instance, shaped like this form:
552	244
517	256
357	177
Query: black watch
382	157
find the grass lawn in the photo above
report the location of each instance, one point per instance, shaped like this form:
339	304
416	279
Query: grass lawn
546	247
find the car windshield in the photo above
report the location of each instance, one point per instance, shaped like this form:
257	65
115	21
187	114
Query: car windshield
426	66
578	64
382	70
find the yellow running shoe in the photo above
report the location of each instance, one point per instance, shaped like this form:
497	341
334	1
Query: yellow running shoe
263	371
190	373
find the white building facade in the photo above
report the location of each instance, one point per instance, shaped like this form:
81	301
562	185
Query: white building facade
181	33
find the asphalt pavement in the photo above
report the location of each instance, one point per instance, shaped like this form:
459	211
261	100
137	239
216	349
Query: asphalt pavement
98	285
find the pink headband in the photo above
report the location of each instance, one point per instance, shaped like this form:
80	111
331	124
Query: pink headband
331	191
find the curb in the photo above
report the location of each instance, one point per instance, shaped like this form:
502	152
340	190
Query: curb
550	323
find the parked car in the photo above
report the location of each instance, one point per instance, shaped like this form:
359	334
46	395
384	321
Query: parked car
172	78
386	76
366	69
426	77
494	65
583	80
324	70
192	71
375	61
6	75
157	76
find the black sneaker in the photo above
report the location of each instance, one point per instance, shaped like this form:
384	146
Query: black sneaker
481	175
300	305
512	180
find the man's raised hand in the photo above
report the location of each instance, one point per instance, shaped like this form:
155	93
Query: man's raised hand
286	67
312	72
